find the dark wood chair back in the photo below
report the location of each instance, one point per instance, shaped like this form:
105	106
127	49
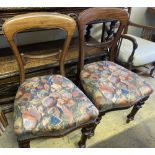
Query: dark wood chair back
38	20
100	15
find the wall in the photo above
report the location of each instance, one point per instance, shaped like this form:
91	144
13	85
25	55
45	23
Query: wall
140	15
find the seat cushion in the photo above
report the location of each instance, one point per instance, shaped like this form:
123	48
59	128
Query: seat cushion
50	106
110	86
144	54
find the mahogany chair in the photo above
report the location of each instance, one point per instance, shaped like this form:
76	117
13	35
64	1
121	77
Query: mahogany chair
49	105
108	85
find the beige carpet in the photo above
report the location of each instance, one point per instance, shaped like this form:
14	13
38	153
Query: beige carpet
111	132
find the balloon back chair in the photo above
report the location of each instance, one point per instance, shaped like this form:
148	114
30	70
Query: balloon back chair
49	105
108	85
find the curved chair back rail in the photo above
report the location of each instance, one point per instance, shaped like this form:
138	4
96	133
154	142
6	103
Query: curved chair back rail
99	14
38	20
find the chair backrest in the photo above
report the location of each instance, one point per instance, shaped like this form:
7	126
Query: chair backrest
38	20
99	15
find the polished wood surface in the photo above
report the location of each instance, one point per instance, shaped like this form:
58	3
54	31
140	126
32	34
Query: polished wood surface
98	15
9	12
38	20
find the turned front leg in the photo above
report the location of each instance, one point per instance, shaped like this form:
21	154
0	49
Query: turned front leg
86	133
135	109
96	123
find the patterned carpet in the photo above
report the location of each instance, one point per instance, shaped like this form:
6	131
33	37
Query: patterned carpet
112	132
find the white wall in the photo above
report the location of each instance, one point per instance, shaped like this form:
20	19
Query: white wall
140	15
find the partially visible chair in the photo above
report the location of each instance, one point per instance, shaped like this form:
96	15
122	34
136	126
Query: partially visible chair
108	85
136	51
49	105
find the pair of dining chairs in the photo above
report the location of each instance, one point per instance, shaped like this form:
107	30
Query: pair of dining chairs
52	105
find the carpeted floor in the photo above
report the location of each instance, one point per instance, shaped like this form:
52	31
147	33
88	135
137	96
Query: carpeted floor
112	132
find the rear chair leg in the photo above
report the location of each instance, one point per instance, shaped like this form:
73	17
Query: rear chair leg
86	133
135	109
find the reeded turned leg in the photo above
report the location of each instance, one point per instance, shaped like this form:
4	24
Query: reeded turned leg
135	109
86	133
24	144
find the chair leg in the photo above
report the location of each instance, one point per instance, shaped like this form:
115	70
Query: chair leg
24	143
86	133
96	123
135	109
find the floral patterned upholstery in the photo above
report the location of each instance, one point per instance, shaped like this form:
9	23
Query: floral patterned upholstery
50	106
112	86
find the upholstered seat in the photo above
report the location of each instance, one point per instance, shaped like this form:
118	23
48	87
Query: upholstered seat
111	86
144	54
50	105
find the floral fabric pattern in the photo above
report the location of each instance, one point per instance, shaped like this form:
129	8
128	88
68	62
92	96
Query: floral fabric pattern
50	105
110	86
